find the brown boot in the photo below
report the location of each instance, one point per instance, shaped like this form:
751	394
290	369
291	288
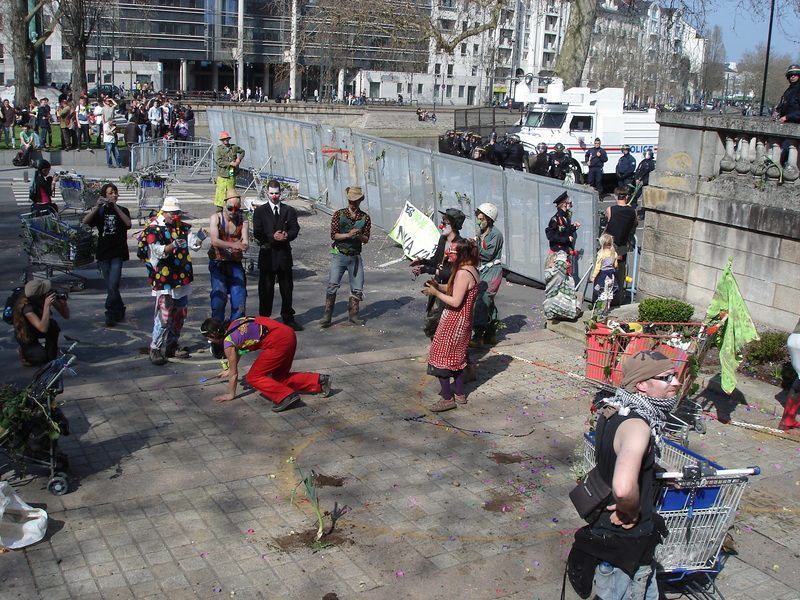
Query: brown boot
330	301
353	310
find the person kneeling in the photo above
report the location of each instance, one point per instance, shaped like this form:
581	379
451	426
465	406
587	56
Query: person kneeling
271	373
31	319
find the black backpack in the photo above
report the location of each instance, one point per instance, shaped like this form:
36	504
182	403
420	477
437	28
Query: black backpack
8	311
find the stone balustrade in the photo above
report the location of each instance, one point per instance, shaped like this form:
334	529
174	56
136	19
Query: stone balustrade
723	189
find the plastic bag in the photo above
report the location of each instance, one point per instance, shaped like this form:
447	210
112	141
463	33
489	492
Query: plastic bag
20	524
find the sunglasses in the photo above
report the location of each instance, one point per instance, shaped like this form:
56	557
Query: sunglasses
666	378
233	208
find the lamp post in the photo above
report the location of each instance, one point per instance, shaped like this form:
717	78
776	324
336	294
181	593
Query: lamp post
766	58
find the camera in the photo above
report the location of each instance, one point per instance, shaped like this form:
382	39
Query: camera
61	295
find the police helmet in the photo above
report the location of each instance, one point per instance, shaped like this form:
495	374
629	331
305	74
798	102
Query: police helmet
625	147
559	147
481	151
450	133
792	70
513	138
649	154
493	136
541	147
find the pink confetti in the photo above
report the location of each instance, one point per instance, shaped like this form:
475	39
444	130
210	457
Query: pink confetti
251	531
399	574
204	554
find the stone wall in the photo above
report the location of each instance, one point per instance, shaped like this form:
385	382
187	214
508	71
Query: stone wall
698	216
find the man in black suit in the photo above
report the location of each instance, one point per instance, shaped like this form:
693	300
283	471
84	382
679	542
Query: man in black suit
275	227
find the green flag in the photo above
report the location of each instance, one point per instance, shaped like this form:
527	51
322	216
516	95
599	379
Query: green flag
728	310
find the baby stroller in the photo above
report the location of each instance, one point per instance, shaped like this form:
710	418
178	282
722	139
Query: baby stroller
31	423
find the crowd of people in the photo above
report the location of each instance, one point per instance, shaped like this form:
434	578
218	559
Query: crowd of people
106	118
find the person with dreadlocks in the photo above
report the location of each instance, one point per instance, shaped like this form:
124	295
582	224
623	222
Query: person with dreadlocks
624	537
271	373
164	248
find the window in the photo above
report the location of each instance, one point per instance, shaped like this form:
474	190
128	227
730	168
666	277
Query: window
419	88
463	49
436	91
449	70
464	26
461	91
474	71
581	123
90	77
449	91
47	50
106	77
399	88
475	48
437	69
447	24
408	89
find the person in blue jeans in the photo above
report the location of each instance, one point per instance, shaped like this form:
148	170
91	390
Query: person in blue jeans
350	230
229	232
110	142
113	222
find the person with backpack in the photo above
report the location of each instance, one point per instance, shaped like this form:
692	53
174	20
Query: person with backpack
32	322
41	189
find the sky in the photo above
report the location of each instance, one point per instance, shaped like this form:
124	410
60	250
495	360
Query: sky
742	30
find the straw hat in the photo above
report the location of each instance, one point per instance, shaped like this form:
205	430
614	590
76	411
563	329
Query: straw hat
37	288
354	194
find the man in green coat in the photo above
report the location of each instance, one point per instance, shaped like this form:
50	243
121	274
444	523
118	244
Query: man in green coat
227	157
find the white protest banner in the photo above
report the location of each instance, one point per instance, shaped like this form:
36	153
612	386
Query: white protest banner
415	232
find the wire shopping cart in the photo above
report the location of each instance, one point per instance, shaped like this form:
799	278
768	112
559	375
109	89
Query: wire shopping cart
151	189
32	422
54	245
698	500
610	345
79	193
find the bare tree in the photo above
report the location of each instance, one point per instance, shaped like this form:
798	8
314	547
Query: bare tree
24	48
751	74
714	69
80	19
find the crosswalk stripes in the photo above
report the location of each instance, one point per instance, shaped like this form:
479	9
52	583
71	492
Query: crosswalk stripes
126	197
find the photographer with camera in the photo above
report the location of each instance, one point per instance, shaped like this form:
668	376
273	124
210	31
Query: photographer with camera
113	222
32	322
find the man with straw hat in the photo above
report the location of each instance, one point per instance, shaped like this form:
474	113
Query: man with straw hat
227	157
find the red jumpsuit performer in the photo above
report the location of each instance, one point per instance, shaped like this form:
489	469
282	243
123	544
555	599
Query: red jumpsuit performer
271	372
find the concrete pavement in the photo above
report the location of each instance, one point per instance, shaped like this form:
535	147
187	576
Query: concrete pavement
174	496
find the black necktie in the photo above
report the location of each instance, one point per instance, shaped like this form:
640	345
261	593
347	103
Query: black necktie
277	213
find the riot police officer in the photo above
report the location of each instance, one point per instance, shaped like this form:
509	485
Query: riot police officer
540	165
512	159
479	154
788	109
626	167
559	162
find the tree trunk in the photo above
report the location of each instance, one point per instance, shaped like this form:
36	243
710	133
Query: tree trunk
78	79
22	52
578	37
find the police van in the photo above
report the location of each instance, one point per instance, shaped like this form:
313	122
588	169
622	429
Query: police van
575	117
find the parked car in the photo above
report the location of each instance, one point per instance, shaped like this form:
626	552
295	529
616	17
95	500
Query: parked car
515	105
692	107
107	89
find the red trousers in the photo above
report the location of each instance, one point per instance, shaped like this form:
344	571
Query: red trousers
270	373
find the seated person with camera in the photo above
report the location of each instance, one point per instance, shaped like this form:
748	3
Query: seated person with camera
32	322
113	222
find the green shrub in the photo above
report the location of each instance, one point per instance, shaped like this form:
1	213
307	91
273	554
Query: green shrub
665	310
771	348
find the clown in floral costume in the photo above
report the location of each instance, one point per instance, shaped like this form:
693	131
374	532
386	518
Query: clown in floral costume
164	248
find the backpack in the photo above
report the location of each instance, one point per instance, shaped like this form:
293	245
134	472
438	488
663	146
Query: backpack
33	190
8	311
19	159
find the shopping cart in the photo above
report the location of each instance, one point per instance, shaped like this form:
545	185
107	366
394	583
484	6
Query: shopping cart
609	345
54	245
151	189
31	422
79	193
698	500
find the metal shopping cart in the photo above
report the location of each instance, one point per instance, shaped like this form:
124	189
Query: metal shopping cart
698	500
151	189
78	193
31	422
609	345
55	245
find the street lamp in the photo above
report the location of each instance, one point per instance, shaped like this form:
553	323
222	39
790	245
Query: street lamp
766	59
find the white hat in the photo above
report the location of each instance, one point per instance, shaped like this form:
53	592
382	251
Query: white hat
489	209
171	204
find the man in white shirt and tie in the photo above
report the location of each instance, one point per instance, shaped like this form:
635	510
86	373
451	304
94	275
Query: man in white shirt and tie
275	227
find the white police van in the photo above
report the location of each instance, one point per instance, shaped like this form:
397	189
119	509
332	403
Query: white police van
575	117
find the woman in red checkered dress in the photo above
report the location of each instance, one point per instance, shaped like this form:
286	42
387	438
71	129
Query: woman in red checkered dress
448	354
